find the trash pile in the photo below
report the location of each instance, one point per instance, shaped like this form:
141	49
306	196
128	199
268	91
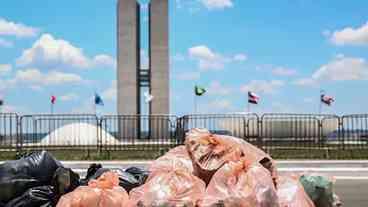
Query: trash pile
208	171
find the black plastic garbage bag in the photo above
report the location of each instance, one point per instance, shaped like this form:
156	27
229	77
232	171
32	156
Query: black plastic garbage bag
16	177
43	196
140	174
65	181
128	179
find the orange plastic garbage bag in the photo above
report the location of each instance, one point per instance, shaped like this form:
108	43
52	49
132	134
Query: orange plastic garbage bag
176	159
210	152
175	189
241	184
291	193
104	192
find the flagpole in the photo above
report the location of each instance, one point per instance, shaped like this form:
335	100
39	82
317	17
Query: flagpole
248	107
320	102
195	104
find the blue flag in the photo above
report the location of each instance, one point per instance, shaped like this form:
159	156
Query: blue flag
98	100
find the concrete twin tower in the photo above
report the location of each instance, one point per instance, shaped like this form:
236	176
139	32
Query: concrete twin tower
131	76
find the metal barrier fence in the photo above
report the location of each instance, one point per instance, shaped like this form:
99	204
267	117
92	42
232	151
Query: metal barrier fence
9	132
244	126
272	132
52	132
154	132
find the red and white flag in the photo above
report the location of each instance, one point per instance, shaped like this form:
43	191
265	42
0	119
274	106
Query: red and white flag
253	98
328	100
53	100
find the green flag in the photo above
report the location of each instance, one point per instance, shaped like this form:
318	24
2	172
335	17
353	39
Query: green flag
199	91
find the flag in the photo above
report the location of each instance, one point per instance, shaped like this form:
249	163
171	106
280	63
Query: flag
53	99
253	98
328	100
148	97
98	100
199	91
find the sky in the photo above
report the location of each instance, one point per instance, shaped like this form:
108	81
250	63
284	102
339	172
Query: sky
286	51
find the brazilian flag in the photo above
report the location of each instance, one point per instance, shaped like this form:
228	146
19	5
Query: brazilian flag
199	91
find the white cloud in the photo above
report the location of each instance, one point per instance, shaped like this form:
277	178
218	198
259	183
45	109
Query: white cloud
240	57
210	60
5	69
340	69
216	88
104	60
351	36
36	78
217	4
262	86
345	68
111	92
189	76
306	82
6	43
282	71
69	97
49	52
16	29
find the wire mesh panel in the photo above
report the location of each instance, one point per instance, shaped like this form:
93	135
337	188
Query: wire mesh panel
331	136
291	131
144	132
40	132
8	132
244	126
354	132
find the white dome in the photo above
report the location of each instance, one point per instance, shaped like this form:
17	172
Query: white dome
82	134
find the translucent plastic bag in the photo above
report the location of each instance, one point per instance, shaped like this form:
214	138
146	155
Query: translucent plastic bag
320	189
104	192
176	188
291	193
176	159
210	152
241	184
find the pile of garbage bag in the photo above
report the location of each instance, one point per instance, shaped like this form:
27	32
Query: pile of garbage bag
208	171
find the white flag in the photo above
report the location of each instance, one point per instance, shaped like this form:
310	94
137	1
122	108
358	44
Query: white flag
148	97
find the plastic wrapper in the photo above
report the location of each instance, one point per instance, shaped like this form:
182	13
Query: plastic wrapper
176	188
291	193
104	192
43	196
16	177
320	189
209	152
128	179
241	184
176	159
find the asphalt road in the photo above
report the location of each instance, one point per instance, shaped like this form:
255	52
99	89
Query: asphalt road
353	193
351	178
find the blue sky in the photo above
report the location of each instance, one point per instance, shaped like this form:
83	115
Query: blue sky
286	51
